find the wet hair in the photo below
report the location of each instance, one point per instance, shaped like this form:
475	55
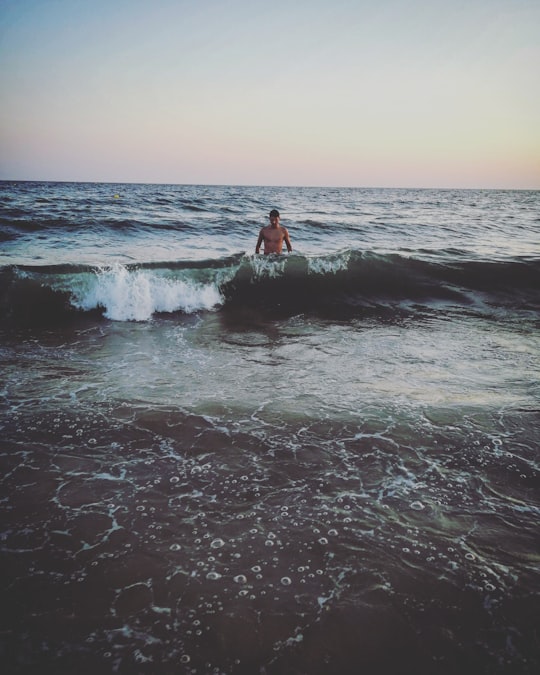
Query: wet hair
274	212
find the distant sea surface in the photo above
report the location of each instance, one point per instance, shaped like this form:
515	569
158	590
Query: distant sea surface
319	463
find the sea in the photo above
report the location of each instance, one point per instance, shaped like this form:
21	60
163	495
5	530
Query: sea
317	463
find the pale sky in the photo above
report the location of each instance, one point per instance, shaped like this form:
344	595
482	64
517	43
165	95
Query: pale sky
385	93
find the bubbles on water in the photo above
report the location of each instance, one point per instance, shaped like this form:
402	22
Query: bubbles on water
286	581
240	579
213	576
175	547
139	657
418	506
217	543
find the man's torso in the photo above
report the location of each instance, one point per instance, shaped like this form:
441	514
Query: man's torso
273	238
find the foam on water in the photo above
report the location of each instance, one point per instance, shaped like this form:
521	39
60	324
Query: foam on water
330	264
137	294
269	561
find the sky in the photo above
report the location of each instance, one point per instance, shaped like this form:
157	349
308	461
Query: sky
385	93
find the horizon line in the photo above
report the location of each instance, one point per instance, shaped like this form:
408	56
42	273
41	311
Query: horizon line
267	185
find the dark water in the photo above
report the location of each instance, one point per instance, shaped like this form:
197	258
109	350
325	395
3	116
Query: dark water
312	464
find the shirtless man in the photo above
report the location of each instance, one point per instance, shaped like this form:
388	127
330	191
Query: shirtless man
273	236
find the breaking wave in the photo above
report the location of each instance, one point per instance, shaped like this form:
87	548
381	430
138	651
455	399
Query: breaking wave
343	281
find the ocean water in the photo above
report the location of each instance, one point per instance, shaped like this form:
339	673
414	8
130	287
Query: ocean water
310	464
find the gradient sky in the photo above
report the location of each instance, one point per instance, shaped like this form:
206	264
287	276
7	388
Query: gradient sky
389	93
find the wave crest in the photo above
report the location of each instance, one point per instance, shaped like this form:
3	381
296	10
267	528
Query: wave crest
341	282
135	295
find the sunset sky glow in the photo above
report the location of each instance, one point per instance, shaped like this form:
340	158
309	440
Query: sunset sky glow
343	92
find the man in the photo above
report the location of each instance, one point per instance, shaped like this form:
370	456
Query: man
273	236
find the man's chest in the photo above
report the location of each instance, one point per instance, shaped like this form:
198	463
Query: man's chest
273	234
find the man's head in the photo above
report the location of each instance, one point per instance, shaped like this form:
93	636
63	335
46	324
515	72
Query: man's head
274	216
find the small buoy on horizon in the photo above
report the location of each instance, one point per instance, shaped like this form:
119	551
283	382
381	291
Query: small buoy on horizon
117	196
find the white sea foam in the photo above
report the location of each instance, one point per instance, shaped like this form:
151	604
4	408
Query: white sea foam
135	295
329	264
268	266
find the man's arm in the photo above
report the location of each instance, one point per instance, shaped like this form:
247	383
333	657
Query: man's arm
287	240
259	241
